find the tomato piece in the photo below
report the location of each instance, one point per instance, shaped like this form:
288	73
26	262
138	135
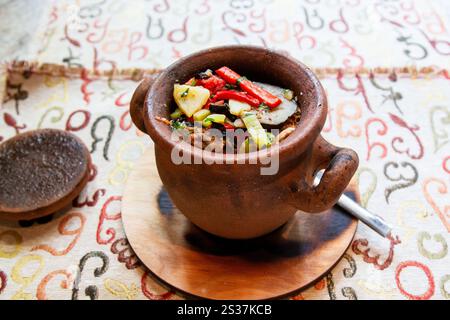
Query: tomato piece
213	83
228	126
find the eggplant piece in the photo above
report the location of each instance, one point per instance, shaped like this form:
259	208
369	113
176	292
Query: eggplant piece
218	108
203	75
222	109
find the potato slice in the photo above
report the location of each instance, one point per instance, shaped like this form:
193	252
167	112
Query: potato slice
190	99
279	114
237	107
238	123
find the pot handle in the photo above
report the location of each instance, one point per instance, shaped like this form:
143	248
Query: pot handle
137	102
340	164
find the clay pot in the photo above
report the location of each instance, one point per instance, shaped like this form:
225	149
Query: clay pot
234	200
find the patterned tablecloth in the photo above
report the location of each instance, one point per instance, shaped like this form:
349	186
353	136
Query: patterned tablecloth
385	67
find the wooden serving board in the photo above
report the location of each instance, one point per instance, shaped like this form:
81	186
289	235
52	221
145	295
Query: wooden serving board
197	263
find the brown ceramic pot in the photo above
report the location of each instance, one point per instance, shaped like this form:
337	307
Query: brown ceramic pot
235	200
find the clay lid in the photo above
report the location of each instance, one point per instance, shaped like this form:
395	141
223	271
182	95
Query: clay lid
41	171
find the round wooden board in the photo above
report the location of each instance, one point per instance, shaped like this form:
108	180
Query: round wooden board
197	263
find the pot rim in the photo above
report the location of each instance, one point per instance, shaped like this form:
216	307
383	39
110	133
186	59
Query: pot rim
297	142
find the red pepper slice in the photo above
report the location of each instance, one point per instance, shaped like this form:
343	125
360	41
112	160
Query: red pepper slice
235	95
213	83
256	91
219	102
208	103
228	75
252	89
228	126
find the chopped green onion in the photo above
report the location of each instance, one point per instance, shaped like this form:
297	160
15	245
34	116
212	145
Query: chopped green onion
176	114
271	138
176	124
256	130
201	114
247	145
192	82
288	94
230	87
217	118
239	80
263	107
185	93
244	148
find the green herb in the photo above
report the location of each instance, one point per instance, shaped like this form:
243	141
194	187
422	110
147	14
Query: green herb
176	124
192	82
185	93
270	138
238	81
230	87
288	94
263	107
217	118
248	114
176	114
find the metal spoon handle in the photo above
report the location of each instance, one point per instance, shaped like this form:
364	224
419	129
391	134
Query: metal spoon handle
374	221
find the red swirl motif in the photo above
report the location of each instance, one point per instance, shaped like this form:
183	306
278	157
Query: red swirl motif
10	121
65	231
431	286
339	25
374	260
358	89
380	132
442	188
446	165
64	284
125	253
150	295
104	216
84	87
180	34
77	203
86	118
3	281
398	141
